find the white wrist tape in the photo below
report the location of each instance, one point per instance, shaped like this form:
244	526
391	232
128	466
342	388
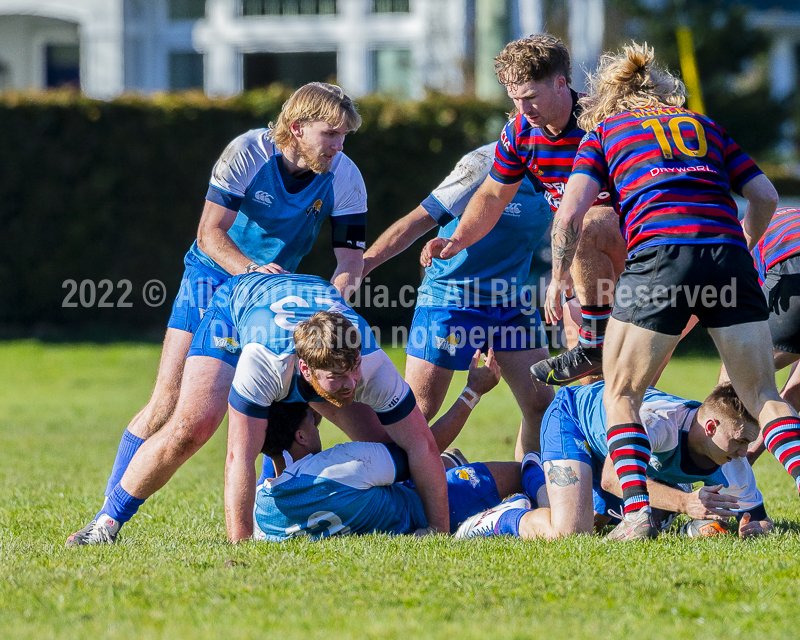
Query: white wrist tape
469	397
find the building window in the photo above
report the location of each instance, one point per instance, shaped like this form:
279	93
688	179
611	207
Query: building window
187	9
63	66
292	69
288	7
390	6
185	70
392	72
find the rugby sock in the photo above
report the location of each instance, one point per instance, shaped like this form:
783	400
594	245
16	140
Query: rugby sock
629	448
532	476
594	319
782	437
508	522
128	445
120	505
267	470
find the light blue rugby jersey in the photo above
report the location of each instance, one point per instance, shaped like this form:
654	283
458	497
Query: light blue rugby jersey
273	225
348	489
667	419
504	255
265	309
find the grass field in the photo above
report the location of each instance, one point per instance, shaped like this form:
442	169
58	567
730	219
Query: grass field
172	575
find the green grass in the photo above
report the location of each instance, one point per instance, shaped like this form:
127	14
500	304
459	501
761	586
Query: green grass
62	409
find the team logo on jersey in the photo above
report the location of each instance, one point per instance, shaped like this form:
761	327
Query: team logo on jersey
514	210
263	197
504	140
449	344
226	344
468	474
583	446
314	209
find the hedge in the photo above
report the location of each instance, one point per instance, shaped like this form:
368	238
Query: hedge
112	191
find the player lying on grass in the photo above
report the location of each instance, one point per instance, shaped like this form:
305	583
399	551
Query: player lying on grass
268	338
358	487
691	442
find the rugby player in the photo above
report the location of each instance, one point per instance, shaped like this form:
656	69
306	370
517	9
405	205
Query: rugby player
691	442
357	487
478	299
671	172
540	142
268	338
269	194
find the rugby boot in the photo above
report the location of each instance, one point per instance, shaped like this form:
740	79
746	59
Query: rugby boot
483	523
704	528
101	531
569	366
638	525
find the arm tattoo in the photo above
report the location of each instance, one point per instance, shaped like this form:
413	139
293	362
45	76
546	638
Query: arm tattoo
564	244
561	476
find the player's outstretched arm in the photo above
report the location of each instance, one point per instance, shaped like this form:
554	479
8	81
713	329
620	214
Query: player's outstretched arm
707	503
398	238
762	200
245	440
349	266
480	216
480	380
415	438
580	194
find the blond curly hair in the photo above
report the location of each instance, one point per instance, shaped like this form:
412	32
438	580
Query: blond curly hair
533	58
310	103
627	81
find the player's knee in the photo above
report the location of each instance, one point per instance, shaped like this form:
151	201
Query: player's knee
188	436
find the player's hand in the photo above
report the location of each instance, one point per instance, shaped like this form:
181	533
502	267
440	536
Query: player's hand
707	503
451	248
749	528
483	379
272	268
432	249
552	300
421	533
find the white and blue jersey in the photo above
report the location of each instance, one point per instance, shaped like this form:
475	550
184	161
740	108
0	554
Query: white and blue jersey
574	428
276	223
494	269
356	488
250	325
350	488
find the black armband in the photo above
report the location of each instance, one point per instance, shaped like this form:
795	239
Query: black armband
349	232
402	471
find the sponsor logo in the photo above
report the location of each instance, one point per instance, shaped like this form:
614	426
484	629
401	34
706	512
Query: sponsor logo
314	209
226	344
263	197
361	245
514	210
449	344
468	474
504	140
655	463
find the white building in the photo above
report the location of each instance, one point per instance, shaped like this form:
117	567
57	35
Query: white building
225	46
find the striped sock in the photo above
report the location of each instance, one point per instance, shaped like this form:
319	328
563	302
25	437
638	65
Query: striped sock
629	448
594	319
782	437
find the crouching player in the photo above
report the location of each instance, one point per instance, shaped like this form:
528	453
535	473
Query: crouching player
691	442
357	487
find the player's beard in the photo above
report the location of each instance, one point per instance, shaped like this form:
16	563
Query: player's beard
316	162
333	398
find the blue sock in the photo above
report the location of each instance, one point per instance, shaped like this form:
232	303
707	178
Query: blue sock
267	470
120	505
508	522
532	476
128	446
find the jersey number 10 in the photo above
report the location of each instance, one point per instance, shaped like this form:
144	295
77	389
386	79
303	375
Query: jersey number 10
677	137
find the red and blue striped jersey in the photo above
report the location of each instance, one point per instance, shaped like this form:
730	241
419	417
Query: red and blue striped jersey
780	241
671	172
525	148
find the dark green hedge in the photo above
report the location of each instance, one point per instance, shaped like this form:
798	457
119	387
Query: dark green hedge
113	191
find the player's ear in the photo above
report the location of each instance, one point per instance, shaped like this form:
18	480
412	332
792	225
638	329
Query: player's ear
710	426
305	370
297	129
